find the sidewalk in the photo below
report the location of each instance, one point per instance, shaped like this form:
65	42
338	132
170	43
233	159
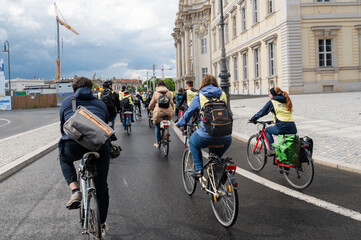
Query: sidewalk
332	120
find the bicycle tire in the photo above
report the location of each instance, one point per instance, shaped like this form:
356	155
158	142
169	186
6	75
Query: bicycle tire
93	215
189	182
150	122
165	143
301	176
257	159
128	130
81	208
225	207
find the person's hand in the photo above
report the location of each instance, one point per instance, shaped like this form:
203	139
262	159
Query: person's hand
251	121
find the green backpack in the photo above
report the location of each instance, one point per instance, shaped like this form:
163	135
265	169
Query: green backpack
288	149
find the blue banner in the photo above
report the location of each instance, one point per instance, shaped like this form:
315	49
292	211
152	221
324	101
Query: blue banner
5	103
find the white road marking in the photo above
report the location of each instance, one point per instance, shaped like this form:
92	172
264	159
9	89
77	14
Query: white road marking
290	192
6	122
125	182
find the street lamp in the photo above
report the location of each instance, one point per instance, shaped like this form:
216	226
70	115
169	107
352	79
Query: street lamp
224	74
7	50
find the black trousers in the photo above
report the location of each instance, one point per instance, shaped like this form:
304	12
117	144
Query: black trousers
72	152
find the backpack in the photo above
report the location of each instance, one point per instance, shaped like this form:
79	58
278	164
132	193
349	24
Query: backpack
107	97
164	101
307	144
87	129
288	149
217	118
126	103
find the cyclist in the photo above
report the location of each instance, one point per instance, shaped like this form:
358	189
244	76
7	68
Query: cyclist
161	111
127	104
177	102
70	151
111	99
200	138
148	98
137	103
280	105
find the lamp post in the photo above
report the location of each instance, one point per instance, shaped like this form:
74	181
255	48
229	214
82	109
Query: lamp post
7	50
224	74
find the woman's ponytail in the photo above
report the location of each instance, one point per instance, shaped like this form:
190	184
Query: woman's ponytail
286	96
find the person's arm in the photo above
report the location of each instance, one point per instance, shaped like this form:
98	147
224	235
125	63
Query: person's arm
192	109
184	99
264	111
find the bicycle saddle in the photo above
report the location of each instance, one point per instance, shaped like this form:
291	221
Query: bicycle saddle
91	155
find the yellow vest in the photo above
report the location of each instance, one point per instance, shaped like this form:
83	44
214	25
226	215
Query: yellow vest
121	96
130	98
281	112
190	96
203	99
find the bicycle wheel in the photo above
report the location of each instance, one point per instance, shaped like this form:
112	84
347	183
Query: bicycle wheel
128	130
165	143
93	215
189	182
150	122
225	206
81	208
301	176
256	155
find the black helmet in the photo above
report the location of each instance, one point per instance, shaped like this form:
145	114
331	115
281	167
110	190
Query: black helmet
107	83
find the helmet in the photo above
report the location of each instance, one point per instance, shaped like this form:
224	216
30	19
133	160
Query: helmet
107	83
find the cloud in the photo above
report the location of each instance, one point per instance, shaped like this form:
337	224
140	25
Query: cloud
115	36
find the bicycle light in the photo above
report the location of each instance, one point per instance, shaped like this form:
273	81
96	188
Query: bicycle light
231	167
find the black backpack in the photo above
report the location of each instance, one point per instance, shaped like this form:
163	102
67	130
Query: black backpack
164	101
126	103
217	119
107	97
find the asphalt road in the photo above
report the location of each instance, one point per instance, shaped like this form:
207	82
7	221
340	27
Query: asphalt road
19	121
148	201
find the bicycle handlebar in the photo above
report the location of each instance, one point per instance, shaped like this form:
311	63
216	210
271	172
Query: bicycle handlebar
261	122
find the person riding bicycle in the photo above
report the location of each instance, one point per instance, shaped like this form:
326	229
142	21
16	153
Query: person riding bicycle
137	103
111	99
148	98
177	102
162	106
201	138
127	105
186	100
280	105
70	151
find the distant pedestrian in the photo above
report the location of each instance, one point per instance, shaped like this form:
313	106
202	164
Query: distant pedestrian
111	99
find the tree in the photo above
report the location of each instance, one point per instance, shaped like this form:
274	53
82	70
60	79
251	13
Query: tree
130	89
149	83
168	83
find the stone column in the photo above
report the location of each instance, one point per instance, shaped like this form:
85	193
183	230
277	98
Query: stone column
187	51
183	56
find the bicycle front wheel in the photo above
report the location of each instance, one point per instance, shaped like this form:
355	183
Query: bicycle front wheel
93	215
81	207
225	205
256	153
189	182
301	176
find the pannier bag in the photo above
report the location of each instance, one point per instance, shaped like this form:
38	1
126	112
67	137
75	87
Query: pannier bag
164	101
216	117
288	149
87	129
307	144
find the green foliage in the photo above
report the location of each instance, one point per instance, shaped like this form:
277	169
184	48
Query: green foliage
141	89
149	83
168	83
130	89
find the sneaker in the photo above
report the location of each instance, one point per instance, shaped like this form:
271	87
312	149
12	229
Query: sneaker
74	201
156	145
271	153
104	229
197	173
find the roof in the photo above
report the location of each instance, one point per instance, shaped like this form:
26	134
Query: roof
134	81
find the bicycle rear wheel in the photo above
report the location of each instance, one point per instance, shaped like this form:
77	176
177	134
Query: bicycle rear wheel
150	122
225	206
301	176
93	215
128	130
165	142
256	153
189	182
81	208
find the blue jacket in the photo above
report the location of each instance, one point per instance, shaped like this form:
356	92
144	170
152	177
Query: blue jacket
286	126
208	91
84	97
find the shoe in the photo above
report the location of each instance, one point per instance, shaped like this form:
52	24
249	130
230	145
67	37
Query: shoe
156	145
176	120
74	201
271	153
198	173
104	230
132	121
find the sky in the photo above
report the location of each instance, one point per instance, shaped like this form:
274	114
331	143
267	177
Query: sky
116	38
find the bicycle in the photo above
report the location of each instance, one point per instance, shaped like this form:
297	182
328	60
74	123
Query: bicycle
127	123
137	113
89	208
191	128
150	121
164	133
299	175
219	183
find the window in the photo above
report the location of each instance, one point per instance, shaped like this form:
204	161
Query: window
255	11
204	71
226	32
234	19
270	6
256	62
227	65
204	45
215	70
220	37
244	26
214	40
235	69
271	58
325	52
244	57
323	0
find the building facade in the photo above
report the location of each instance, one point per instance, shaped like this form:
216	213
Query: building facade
302	46
20	84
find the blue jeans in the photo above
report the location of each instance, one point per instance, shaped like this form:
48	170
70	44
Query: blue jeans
157	132
72	152
196	143
275	130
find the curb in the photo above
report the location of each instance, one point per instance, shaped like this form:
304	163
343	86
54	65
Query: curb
349	167
11	168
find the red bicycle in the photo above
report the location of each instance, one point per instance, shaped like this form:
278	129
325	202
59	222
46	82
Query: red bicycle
299	175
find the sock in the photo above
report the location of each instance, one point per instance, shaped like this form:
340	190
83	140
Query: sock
75	190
